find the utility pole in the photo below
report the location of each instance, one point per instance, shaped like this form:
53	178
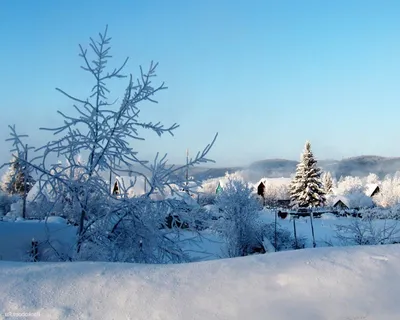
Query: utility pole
111	168
111	186
187	170
25	181
276	235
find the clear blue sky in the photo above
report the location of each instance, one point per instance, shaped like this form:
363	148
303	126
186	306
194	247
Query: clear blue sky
267	75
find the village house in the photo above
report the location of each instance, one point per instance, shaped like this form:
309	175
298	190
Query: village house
341	203
371	190
279	200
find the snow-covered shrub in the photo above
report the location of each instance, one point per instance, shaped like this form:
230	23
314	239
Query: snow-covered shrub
240	211
6	201
392	212
15	210
207	190
395	212
376	213
279	238
368	232
207	198
135	231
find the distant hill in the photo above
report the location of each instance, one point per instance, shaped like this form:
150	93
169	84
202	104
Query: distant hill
275	168
363	165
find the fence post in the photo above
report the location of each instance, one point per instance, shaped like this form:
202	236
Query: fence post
35	250
312	228
295	233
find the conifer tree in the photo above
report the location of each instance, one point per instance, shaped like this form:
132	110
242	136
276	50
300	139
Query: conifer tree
327	182
306	189
14	181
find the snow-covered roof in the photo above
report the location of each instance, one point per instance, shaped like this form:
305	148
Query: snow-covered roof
354	200
343	199
274	181
138	182
35	190
182	195
370	189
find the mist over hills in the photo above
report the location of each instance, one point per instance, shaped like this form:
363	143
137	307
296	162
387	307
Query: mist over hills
359	166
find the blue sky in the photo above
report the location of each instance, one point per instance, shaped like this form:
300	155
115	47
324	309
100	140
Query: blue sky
266	75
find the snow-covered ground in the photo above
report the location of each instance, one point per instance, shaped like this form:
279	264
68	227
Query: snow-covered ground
311	284
57	237
54	235
324	227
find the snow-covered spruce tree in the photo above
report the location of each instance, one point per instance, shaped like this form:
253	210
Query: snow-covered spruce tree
105	129
8	180
327	181
18	179
240	210
306	189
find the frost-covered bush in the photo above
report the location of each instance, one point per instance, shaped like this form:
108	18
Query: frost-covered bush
207	190
368	232
395	212
207	198
284	238
41	208
382	213
240	211
136	230
127	233
6	201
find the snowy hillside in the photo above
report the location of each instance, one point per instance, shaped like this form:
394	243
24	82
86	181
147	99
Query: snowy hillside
275	168
326	283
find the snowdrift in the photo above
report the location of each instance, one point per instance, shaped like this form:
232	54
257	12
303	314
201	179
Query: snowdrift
16	238
324	283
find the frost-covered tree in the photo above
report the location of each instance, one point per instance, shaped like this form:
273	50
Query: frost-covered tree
372	178
106	130
389	195
240	211
18	179
349	185
306	189
327	182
